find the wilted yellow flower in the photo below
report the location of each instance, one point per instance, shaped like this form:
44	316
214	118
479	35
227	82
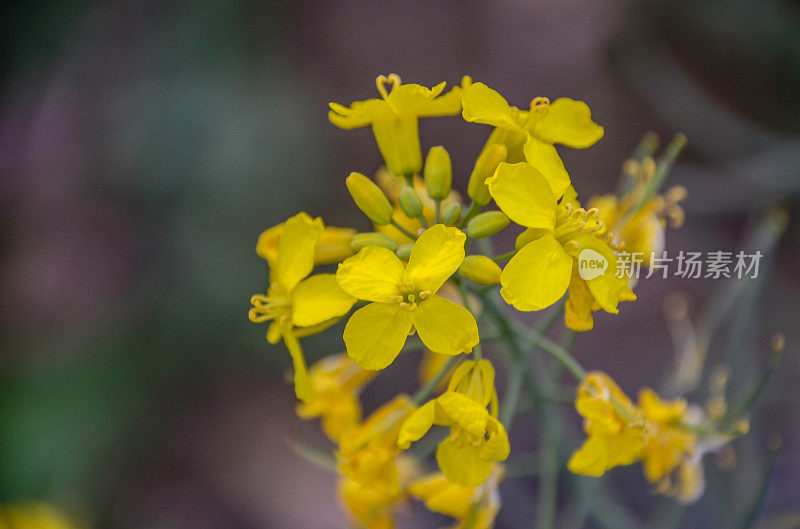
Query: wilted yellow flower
34	515
613	424
477	439
336	382
473	507
559	235
333	246
373	476
295	304
404	299
394	118
530	135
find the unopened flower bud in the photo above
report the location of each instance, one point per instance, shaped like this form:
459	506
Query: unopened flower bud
404	251
410	202
369	198
372	238
487	224
485	166
438	173
451	213
480	269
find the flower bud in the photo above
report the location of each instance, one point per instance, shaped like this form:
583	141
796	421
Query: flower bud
369	198
404	251
451	213
372	238
438	173
480	269
486	224
410	202
485	166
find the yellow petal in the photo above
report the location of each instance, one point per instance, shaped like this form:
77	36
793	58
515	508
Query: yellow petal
590	459
443	496
319	298
544	157
417	425
375	334
462	464
537	276
569	123
524	194
302	384
458	409
496	447
445	327
372	274
578	313
484	105
424	102
436	256
296	249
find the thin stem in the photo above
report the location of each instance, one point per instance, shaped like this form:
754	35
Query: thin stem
473	210
402	229
423	221
477	350
438	216
504	257
425	391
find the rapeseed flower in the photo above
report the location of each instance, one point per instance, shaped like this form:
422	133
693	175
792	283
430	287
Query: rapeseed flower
531	135
336	382
546	263
477	439
333	246
297	304
394	118
403	298
473	507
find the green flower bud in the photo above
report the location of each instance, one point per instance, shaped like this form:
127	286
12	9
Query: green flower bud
410	202
485	166
438	173
372	238
480	269
369	198
486	224
451	213
404	251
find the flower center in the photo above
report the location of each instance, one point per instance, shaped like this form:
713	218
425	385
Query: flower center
410	297
571	221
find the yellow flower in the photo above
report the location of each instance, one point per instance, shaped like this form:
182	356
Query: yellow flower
394	118
297	305
373	476
530	135
667	443
333	246
558	234
404	299
477	439
473	507
392	185
640	229
34	515
336	382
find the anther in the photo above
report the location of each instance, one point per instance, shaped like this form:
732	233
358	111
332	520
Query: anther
425	294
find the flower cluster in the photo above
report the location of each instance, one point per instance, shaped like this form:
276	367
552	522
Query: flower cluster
416	281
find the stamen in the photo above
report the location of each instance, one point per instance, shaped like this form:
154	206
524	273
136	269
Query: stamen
425	294
379	82
540	104
571	246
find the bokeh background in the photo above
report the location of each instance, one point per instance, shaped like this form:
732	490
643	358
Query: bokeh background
144	145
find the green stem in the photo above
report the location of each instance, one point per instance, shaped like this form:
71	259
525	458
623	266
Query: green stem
425	391
473	210
438	216
504	257
402	230
423	221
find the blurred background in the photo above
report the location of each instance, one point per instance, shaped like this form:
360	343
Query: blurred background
145	145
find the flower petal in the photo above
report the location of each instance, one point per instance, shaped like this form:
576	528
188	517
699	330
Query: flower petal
578	313
437	254
372	274
375	334
537	276
608	289
417	425
296	249
483	105
319	298
496	447
445	327
569	123
458	409
590	459
544	157
524	194
463	464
